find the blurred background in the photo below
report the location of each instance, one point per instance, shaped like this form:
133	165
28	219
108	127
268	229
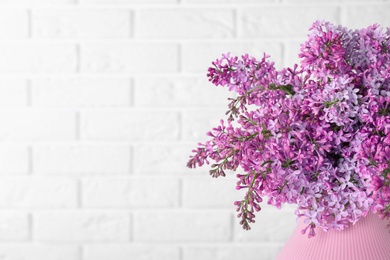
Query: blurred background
101	103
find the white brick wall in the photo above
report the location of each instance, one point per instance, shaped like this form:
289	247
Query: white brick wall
101	102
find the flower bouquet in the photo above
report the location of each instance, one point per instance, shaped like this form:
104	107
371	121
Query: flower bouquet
315	135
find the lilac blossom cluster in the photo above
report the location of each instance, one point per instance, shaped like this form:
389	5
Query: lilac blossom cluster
315	135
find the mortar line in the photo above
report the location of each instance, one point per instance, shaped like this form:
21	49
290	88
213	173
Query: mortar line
30	160
131	24
29	23
78	58
81	252
29	92
180	194
79	194
180	59
77	126
131	227
30	227
131	159
132	92
181	254
236	22
343	9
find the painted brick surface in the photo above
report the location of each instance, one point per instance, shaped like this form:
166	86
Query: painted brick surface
129	57
13	92
33	3
227	252
354	2
101	102
216	193
135	252
37	124
130	193
80	92
14	226
81	159
190	226
15	159
81	23
43	252
30	192
228	1
372	14
198	122
160	159
81	226
131	125
128	1
14	23
272	226
266	21
177	92
31	57
188	23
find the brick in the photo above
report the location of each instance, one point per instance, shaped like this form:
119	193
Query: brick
14	226
178	92
39	252
37	2
13	23
228	1
272	225
80	92
186	23
81	23
216	193
129	125
292	51
127	1
81	159
331	1
81	226
14	159
196	123
133	252
197	57
275	21
38	58
372	14
37	125
130	192
13	92
161	158
28	192
175	226
231	252
130	58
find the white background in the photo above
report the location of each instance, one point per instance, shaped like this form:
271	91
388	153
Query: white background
101	102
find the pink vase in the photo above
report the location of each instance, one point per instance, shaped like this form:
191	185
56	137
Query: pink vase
368	239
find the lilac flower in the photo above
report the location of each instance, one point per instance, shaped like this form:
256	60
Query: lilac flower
315	135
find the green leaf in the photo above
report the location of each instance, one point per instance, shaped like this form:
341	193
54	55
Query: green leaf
288	89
